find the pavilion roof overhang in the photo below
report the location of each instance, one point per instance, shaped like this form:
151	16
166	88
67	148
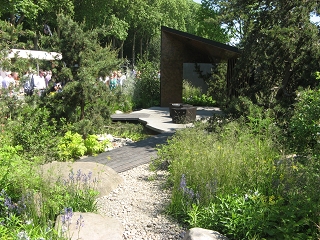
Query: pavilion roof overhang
206	48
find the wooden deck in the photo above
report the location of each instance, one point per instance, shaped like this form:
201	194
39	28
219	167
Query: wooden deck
132	155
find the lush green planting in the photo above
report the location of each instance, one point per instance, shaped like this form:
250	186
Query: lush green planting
202	100
238	178
72	146
30	203
40	130
147	85
133	131
194	96
305	124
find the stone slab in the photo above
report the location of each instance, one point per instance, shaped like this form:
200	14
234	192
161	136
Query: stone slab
105	178
203	234
89	226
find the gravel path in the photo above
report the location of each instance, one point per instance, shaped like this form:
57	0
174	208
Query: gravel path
139	204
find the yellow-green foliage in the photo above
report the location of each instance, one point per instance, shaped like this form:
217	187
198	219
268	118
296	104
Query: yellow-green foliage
94	146
71	146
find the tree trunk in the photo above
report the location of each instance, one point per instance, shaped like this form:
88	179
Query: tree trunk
113	43
133	49
12	19
82	114
141	47
147	46
285	81
121	49
20	19
35	42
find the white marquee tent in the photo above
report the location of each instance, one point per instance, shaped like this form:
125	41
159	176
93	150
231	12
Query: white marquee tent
34	54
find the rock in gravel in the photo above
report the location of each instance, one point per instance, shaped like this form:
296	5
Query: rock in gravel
203	234
89	226
103	178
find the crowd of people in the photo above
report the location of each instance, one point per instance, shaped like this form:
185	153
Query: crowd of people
116	78
31	82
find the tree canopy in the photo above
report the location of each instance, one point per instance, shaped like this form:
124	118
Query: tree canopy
280	46
133	27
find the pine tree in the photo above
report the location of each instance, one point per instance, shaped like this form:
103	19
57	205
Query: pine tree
84	99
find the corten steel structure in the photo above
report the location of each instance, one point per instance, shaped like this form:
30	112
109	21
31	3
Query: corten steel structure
179	47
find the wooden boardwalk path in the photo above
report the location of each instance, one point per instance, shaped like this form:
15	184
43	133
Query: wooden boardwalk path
157	119
132	155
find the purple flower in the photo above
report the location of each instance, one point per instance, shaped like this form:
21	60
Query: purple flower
71	176
183	183
78	177
84	178
89	175
67	215
80	222
189	192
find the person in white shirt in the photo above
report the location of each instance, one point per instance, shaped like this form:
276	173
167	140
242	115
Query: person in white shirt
121	78
39	83
8	80
48	78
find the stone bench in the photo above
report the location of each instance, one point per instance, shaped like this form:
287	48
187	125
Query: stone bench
184	115
177	105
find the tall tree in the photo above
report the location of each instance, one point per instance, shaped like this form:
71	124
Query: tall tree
279	44
32	15
9	36
209	25
174	13
84	61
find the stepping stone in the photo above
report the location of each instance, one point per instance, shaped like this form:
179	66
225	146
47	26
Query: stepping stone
104	178
89	226
203	234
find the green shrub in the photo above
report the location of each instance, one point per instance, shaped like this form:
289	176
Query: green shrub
202	100
193	95
33	213
18	180
35	132
94	146
234	176
135	132
17	173
121	99
256	216
189	91
78	192
147	86
304	125
30	203
71	146
220	163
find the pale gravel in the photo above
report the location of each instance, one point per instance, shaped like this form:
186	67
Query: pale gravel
139	204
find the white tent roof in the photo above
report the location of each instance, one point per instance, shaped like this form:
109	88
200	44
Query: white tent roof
42	55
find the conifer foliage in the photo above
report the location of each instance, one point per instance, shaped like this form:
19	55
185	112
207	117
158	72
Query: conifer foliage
84	99
280	45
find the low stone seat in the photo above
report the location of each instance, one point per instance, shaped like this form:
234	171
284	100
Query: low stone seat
177	105
184	114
